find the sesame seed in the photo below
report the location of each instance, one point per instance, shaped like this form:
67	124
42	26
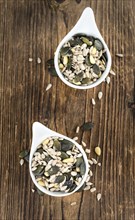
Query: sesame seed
33	190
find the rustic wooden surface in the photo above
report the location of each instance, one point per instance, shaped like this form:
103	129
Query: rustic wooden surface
33	28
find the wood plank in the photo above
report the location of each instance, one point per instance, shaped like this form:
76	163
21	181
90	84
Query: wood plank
34	29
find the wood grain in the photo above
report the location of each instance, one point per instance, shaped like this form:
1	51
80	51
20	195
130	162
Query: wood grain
34	29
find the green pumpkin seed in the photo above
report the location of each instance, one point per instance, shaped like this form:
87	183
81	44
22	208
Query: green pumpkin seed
96	69
52	71
64	50
79	161
63	155
66	145
50	62
86	80
40	192
40	150
68	176
98	44
23	153
87	126
79	41
39	170
59	179
76	83
86	41
82	168
47	158
69	183
53	170
69	65
57	144
72	188
78	77
87	60
27	158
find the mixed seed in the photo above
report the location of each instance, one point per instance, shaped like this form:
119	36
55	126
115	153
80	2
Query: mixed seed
58	165
82	60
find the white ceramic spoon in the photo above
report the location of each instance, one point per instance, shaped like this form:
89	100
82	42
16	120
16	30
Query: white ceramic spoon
40	133
86	25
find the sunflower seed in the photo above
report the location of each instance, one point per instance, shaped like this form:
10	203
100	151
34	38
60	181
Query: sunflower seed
100	94
77	129
30	59
94	160
93	101
108	79
38	60
112	72
89	184
73	203
93	189
98	196
90	162
21	162
87	150
49	86
91	173
87	188
120	55
75	138
83	144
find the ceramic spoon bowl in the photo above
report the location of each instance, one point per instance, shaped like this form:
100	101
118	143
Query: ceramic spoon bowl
86	25
40	133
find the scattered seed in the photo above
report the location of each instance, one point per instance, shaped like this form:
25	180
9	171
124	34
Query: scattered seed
112	72
91	173
89	184
93	101
100	94
108	79
73	203
77	129
87	150
98	151
93	189
49	86
23	154
83	144
98	196
21	162
120	55
30	59
75	138
87	126
38	60
94	160
33	190
87	187
90	162
99	164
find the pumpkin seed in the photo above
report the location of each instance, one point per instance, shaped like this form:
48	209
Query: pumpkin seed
50	62
27	158
23	153
78	77
98	44
87	60
86	80
40	192
96	69
57	144
87	126
69	65
66	145
72	188
98	151
39	170
47	158
64	50
53	170
86	41
40	150
52	71
79	161
76	83
82	168
64	155
59	179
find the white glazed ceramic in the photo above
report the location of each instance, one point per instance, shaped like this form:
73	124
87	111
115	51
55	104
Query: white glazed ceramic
86	25
40	133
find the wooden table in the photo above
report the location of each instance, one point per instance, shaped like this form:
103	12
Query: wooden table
32	29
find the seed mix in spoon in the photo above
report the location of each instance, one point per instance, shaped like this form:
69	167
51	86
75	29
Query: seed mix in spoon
82	60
